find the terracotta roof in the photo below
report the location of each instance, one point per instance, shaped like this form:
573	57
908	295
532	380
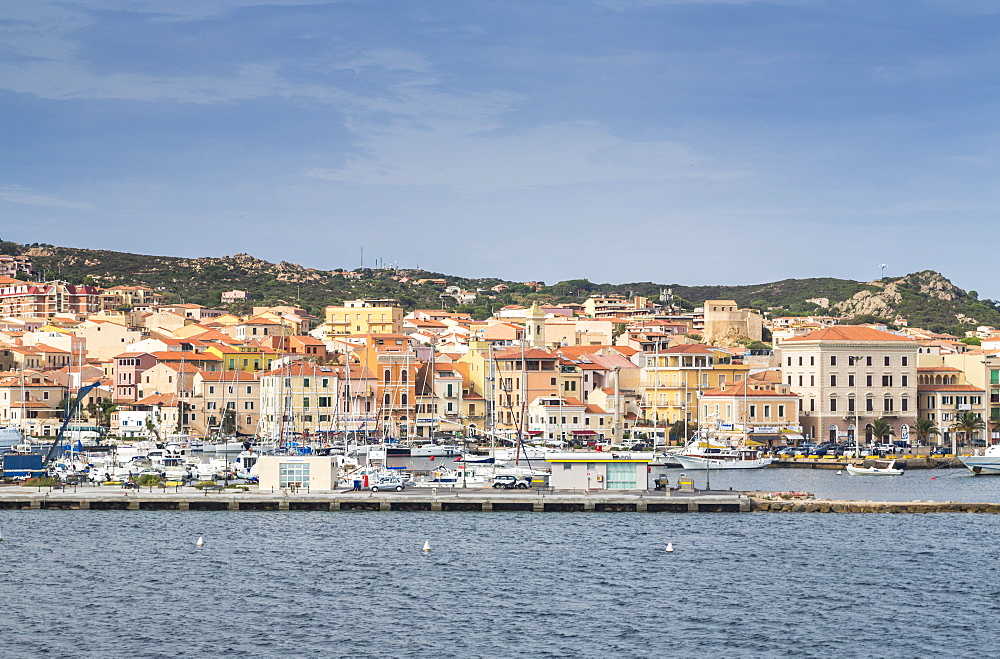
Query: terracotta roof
938	369
740	389
948	387
849	333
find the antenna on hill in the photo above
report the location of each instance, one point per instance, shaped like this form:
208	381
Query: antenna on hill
883	266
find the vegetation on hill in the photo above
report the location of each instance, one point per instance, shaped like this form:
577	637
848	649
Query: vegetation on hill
924	299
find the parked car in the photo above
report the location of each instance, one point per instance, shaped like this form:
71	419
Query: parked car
506	482
388	483
884	448
941	450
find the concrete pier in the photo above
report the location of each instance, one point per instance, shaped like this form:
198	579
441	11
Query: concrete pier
17	498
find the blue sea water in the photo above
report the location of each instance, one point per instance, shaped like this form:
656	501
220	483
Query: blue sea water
356	584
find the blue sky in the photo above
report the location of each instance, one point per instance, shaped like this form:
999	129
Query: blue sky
694	142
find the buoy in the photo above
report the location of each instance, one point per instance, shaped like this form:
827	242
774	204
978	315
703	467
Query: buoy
427	545
839	472
670	548
200	542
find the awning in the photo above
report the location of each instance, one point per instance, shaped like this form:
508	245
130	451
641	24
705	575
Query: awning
794	436
584	432
534	433
760	439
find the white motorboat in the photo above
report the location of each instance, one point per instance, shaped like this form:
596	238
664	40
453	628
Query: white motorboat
435	450
889	470
722	462
987	463
700	454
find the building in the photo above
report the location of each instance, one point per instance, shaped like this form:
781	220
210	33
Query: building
944	393
279	472
848	376
34	300
364	317
751	409
599	471
725	323
672	380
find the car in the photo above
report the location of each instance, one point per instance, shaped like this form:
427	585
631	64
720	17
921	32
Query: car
884	448
941	450
506	482
388	483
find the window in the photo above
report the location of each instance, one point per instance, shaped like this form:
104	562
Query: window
790	363
850	404
621	476
800	361
870	405
387	375
293	473
886	404
868	361
767	411
211	389
249	389
324	401
833	380
325	382
903	380
404	375
567	465
753	411
812	361
812	404
904	404
886	360
947	400
850	380
305	382
903	358
812	380
886	380
833	360
248	405
930	401
833	404
800	380
868	380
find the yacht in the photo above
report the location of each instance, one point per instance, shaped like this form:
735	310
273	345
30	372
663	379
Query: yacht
986	463
706	455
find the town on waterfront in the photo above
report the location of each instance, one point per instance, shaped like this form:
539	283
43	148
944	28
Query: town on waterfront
119	384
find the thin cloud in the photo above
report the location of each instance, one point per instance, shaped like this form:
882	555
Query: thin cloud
16	194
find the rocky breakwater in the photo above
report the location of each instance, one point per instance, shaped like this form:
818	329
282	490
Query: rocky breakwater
765	505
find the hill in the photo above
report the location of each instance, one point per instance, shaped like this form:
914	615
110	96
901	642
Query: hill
925	299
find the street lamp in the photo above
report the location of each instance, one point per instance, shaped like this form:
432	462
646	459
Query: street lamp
857	404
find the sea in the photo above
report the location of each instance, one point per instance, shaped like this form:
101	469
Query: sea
496	584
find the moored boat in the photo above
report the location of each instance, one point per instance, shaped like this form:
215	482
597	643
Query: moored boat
889	470
987	463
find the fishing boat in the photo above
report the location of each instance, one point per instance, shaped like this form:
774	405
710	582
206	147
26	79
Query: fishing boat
889	470
987	463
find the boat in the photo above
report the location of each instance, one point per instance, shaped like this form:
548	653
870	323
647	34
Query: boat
748	460
890	470
986	463
707	455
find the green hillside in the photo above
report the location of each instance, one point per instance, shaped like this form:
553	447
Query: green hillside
925	299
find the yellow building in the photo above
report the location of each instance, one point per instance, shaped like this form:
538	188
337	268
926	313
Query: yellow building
672	380
364	317
249	358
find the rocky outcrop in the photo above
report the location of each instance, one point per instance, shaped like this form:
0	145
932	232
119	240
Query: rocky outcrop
882	303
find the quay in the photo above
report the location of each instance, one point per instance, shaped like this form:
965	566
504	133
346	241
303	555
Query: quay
903	461
93	498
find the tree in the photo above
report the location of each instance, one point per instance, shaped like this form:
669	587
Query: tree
924	429
966	423
882	429
972	341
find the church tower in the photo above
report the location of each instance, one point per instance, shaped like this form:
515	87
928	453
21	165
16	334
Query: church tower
534	326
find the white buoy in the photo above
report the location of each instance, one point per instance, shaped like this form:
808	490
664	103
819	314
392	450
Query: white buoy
839	472
670	548
200	542
427	545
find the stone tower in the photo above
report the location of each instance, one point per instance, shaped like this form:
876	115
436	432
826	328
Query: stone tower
534	326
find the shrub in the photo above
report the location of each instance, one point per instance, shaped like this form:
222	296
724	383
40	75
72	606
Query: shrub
148	479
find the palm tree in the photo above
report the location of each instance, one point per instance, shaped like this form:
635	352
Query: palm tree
924	429
882	429
966	423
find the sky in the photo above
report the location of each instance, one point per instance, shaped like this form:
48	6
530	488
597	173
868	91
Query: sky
691	142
